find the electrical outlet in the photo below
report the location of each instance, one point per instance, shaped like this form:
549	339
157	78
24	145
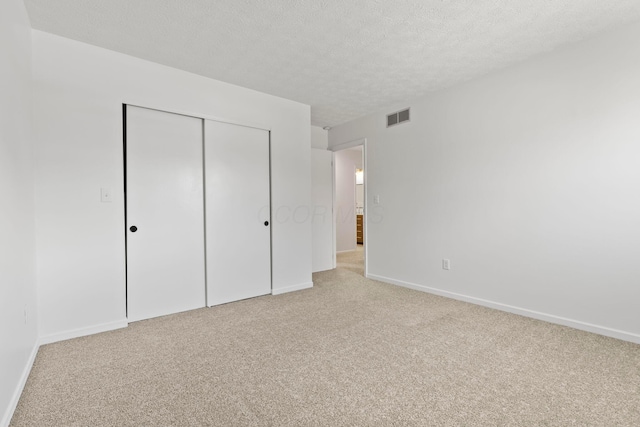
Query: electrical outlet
446	264
25	314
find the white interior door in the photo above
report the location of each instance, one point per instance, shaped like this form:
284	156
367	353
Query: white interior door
237	212
322	213
165	213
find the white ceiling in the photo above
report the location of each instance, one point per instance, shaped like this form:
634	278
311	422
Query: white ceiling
345	58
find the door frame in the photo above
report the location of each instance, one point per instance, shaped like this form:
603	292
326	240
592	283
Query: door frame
339	147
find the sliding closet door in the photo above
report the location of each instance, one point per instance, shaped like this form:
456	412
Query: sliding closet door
165	213
237	212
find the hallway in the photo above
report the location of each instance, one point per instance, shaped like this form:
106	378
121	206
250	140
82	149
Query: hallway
352	260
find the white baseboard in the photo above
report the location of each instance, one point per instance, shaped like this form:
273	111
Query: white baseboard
576	324
6	419
81	332
292	288
344	252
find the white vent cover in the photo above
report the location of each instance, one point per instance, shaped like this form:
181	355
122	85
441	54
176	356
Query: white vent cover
398	117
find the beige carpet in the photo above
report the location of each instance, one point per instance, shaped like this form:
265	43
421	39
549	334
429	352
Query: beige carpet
349	352
352	261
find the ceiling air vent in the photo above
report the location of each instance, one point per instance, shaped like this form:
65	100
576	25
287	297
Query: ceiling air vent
398	117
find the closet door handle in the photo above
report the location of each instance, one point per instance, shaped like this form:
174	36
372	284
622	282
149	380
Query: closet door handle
266	223
133	228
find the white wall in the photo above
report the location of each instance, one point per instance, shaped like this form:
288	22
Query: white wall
17	239
78	95
346	162
321	201
319	138
528	179
359	196
322	212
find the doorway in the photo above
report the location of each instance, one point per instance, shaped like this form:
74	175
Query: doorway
350	202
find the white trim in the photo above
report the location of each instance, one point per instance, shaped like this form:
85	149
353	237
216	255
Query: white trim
360	142
365	217
13	403
349	144
293	288
201	116
334	215
576	324
81	332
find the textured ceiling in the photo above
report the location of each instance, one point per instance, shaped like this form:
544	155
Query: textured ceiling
345	58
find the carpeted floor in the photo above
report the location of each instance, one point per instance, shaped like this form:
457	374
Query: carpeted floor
352	261
349	352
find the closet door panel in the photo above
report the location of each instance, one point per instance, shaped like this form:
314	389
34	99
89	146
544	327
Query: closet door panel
165	253
238	229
